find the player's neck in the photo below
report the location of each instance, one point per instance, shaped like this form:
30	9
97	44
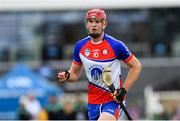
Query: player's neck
97	40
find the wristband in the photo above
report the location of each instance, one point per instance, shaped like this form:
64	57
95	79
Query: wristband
121	93
123	90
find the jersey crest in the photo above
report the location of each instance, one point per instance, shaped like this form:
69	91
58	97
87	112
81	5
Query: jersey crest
87	52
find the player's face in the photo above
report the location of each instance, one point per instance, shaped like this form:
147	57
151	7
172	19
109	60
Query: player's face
95	27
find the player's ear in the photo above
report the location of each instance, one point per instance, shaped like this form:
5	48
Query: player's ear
86	25
105	24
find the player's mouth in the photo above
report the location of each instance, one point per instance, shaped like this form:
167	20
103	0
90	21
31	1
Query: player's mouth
94	30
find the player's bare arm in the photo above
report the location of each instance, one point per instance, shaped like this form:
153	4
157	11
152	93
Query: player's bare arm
71	75
134	71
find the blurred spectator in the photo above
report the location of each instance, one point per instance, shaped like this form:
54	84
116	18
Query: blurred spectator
43	115
68	112
22	113
175	114
161	113
80	108
53	108
32	105
162	116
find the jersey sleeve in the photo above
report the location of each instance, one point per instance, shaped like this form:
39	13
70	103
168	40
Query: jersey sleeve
76	58
123	52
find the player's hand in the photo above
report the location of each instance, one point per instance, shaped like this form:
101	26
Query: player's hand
63	76
119	94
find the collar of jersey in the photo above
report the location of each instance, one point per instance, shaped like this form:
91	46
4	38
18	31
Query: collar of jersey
96	42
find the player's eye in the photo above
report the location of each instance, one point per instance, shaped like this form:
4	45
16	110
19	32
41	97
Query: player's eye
94	20
90	21
98	21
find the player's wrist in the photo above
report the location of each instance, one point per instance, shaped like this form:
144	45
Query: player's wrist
123	90
121	93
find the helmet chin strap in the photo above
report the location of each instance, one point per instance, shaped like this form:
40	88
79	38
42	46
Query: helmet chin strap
94	35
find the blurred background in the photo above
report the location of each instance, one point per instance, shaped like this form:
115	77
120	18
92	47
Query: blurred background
37	39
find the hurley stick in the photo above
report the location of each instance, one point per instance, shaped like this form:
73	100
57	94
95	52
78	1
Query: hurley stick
106	77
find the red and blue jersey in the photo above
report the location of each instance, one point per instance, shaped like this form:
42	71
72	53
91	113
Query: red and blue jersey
95	57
